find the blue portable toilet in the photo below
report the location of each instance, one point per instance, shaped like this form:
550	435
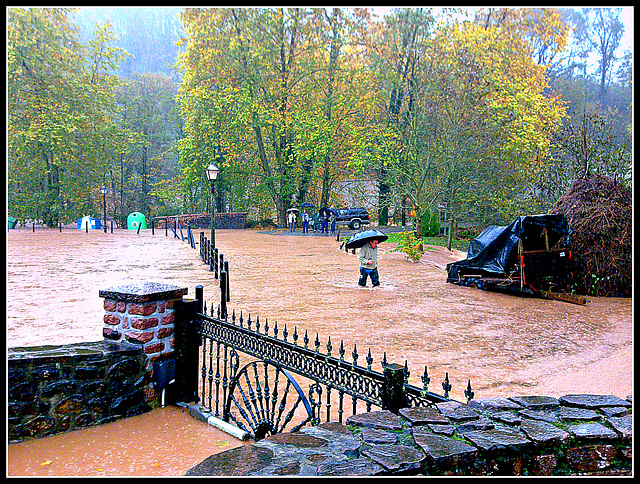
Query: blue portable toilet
90	222
135	220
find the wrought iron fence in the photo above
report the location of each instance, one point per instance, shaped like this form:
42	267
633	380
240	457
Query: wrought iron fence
251	373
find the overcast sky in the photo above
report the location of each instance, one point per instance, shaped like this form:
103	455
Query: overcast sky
626	17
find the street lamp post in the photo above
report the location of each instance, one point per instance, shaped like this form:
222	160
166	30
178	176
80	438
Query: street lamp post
212	173
103	190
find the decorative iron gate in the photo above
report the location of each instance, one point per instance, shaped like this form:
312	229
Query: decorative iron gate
252	375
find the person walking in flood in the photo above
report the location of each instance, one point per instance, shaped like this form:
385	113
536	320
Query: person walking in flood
368	257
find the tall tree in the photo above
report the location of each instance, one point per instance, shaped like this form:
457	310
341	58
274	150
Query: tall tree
61	114
478	125
604	33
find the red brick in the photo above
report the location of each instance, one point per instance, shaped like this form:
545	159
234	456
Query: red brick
169	318
110	333
122	306
111	319
591	458
144	323
109	305
164	332
135	337
154	348
543	465
142	309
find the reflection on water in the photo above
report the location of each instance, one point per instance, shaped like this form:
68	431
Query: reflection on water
505	345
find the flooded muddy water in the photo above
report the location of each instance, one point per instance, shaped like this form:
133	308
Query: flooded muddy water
506	345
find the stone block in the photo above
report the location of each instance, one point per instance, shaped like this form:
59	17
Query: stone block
623	425
543	432
374	436
591	430
536	402
494	404
593	401
382	420
350	467
241	461
395	458
497	439
574	413
71	404
441	450
423	415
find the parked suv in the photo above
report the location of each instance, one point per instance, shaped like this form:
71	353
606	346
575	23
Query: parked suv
353	217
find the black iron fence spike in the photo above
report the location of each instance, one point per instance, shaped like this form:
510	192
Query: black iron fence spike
469	392
446	385
354	355
425	379
329	346
369	359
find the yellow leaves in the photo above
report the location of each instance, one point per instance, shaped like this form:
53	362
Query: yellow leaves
46	463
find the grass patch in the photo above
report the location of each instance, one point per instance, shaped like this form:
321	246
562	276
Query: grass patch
462	245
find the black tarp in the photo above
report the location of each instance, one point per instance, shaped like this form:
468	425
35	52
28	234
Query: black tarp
495	250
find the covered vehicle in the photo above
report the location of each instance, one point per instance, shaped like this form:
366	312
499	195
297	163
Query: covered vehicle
529	255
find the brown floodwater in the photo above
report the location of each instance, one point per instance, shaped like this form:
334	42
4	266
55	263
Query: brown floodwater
506	345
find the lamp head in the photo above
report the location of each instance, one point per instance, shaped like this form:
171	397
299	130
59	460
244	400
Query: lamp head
212	172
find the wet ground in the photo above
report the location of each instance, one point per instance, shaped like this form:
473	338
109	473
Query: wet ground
506	345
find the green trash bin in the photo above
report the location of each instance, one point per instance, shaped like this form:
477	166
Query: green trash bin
135	220
12	222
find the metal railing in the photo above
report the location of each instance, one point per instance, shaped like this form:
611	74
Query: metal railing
232	387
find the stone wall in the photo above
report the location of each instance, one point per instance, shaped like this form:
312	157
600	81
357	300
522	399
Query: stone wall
55	389
225	220
573	435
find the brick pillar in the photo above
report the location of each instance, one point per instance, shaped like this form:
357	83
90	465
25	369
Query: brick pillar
142	314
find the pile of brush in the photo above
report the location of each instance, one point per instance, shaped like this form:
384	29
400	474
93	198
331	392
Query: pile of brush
598	209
